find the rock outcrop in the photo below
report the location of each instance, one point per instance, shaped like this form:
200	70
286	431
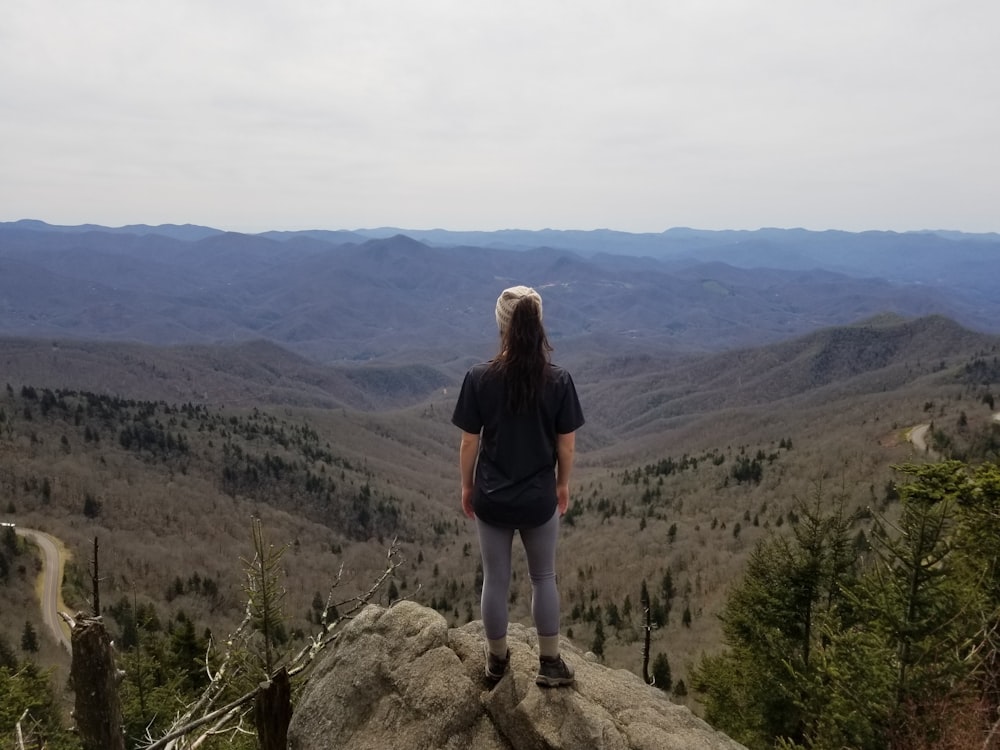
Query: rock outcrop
401	678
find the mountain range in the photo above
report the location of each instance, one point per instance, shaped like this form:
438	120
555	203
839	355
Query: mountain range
402	297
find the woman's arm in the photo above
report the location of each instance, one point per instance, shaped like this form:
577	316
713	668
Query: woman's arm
467	454
565	451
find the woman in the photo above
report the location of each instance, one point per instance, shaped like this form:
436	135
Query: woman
518	414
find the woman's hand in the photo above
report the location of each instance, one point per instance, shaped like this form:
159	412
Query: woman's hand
565	451
562	498
467	502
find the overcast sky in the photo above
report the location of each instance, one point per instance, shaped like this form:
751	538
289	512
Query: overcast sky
636	115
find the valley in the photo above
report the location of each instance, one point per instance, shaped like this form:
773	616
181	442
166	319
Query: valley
684	464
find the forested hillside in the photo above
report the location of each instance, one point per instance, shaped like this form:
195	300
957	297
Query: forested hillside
686	466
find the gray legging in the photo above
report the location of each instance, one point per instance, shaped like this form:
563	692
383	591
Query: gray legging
540	547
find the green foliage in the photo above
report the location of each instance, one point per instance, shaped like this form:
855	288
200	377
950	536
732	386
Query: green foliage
910	593
91	506
153	689
185	651
828	649
844	699
163	668
775	621
264	596
597	646
29	638
660	671
8	658
28	699
10	544
147	436
613	616
749	470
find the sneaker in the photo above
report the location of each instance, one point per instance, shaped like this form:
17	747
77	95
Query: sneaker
495	666
553	672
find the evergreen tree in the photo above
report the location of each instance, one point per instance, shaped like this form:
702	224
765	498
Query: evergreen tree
776	623
27	688
10	542
598	645
153	689
29	638
8	659
614	618
91	506
909	593
926	599
668	591
978	565
667	585
265	595
902	656
661	673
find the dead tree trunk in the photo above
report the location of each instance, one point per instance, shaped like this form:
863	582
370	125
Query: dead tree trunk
97	710
96	583
272	712
645	646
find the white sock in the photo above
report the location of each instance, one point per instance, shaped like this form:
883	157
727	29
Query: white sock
548	646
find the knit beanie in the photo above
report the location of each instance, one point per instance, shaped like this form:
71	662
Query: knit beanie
508	300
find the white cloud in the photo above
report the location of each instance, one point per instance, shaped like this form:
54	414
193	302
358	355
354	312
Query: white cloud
638	115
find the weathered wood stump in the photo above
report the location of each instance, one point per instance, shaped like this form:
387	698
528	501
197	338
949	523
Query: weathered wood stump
272	712
97	709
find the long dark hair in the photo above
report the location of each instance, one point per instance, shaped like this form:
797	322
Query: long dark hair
524	357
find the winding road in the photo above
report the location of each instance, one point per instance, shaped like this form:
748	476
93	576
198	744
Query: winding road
52	569
918	436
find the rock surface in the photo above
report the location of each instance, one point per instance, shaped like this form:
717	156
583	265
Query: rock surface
401	678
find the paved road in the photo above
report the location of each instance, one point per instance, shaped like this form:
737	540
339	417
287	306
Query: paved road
918	436
51	583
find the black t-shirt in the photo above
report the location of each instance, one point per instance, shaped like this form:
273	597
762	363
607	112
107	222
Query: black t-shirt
515	470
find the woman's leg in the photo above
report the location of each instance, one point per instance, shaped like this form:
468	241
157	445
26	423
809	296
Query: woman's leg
540	548
494	544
